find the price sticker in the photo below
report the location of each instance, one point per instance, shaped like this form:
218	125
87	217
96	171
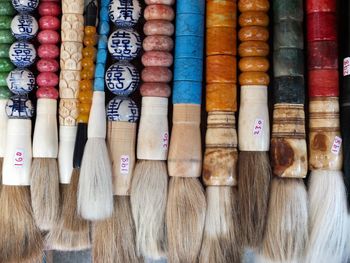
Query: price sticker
258	127
336	146
346	66
124	164
165	140
18	160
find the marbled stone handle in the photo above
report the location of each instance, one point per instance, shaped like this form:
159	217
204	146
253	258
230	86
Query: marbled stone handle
288	144
220	158
68	112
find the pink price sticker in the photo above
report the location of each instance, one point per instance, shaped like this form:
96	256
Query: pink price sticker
165	140
18	159
124	164
258	127
346	66
336	146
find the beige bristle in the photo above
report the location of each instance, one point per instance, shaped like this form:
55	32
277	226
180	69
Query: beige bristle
20	238
286	231
45	192
148	202
254	175
328	217
185	219
124	231
104	245
221	239
1	162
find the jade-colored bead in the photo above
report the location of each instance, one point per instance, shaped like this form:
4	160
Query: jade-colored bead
6	9
4	50
288	62
6	65
288	34
4	92
5	22
287	9
3	77
6	36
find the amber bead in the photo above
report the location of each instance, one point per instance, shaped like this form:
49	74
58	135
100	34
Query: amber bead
254	64
255	33
89	52
84	108
253	49
85	96
252	18
253	5
83	118
254	78
221	97
90	31
87	73
86	85
87	62
90	41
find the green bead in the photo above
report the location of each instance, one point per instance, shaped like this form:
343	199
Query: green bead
6	9
3	77
5	93
6	65
5	22
6	37
4	50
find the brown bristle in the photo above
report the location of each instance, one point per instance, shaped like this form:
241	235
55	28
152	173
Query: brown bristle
124	231
221	239
185	219
254	175
45	192
20	238
148	203
286	230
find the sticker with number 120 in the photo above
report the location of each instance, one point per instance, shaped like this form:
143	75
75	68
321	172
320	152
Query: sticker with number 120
18	160
258	127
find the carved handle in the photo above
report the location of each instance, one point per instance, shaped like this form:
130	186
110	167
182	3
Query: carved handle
72	28
69	84
72	7
68	112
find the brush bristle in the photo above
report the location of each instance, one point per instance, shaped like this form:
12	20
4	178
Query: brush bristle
185	219
124	231
104	245
221	239
1	162
253	190
328	217
45	193
286	232
95	196
148	202
20	238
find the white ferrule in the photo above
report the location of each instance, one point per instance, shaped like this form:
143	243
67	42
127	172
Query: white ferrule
3	127
65	153
97	120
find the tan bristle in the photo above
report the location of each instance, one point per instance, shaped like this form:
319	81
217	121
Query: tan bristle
124	231
1	162
286	230
45	192
254	175
185	219
148	203
104	245
221	239
20	238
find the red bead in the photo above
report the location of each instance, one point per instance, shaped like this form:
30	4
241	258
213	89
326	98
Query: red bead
313	6
155	90
48	51
48	37
49	9
322	55
157	59
47	93
49	22
323	83
321	26
47	65
156	74
47	79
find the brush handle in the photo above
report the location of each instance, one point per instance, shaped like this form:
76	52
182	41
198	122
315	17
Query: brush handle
3	127
153	136
324	139
66	151
18	156
220	157
185	159
72	28
69	82
68	112
97	120
121	139
72	7
45	140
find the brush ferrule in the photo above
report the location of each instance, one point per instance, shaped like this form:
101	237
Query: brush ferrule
253	122
121	139
153	137
45	140
65	154
185	154
18	157
97	119
3	127
220	158
325	139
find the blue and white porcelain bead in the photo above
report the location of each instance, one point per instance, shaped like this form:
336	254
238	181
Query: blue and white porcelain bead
122	78
24	27
122	109
22	54
23	6
124	44
20	81
19	107
124	13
